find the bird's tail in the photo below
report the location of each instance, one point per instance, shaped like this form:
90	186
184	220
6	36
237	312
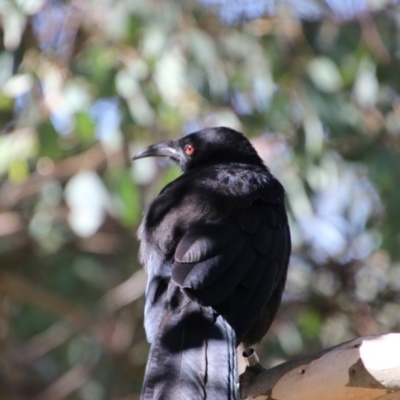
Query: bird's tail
192	358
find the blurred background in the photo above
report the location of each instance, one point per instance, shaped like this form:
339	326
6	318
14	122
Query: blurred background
84	84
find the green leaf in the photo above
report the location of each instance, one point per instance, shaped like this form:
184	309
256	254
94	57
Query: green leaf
84	128
18	171
48	140
310	323
127	196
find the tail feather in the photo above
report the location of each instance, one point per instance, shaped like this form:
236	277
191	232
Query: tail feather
193	357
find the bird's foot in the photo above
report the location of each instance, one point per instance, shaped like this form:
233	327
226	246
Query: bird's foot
251	357
253	368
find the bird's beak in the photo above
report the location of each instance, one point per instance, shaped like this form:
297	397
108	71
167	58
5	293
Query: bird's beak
164	149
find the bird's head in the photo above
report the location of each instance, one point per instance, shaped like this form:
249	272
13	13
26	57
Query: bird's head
205	147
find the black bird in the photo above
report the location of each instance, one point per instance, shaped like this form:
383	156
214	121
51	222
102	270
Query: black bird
215	243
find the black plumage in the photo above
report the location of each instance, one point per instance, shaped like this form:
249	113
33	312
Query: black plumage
215	243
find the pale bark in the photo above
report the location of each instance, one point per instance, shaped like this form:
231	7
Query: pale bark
367	368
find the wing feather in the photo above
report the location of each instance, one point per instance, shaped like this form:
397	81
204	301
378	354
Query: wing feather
225	285
235	265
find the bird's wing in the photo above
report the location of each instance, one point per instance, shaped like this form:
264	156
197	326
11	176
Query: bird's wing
236	264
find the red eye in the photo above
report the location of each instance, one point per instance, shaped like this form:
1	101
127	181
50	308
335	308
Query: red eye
189	149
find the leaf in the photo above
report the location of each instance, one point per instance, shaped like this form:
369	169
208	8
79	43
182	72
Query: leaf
84	127
48	140
310	323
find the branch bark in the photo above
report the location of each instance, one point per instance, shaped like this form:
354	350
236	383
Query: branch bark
367	368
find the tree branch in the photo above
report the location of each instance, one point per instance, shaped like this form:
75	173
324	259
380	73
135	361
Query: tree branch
367	368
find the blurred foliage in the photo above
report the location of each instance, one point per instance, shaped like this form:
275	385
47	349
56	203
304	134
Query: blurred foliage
85	84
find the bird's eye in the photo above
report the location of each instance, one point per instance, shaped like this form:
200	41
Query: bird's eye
189	149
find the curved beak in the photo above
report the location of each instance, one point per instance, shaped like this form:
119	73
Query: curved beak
163	149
